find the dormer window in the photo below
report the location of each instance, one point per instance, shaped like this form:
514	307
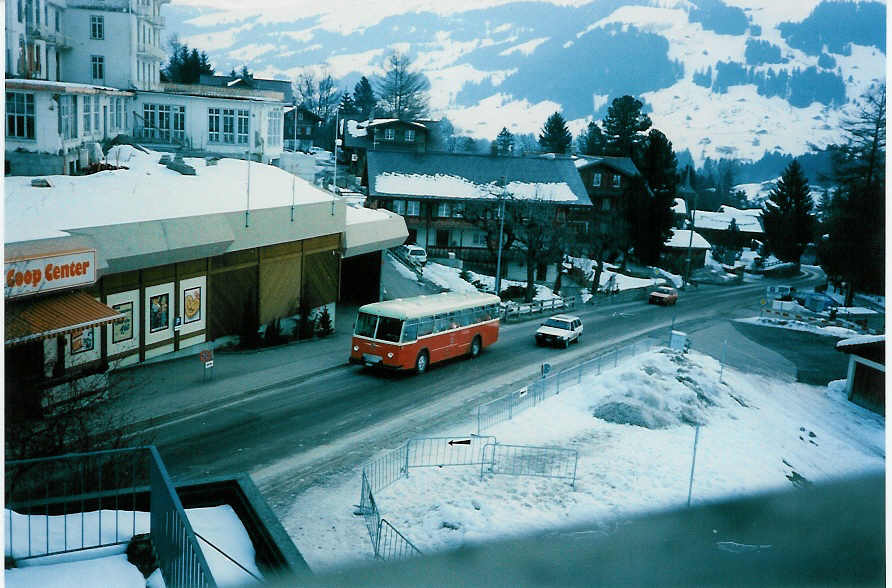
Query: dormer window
389	134
300	116
596	182
616	180
410	135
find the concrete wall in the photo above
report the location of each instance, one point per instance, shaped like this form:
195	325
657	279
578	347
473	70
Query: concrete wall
118	47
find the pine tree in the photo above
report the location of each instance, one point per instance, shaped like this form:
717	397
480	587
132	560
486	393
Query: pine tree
403	92
555	138
657	163
364	97
624	125
787	215
347	106
592	141
504	143
185	65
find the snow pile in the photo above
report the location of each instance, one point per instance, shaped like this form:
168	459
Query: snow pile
663	390
449	278
111	571
619	281
796	325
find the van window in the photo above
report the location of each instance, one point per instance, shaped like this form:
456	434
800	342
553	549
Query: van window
365	324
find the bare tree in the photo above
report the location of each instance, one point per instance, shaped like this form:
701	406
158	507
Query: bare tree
318	95
403	92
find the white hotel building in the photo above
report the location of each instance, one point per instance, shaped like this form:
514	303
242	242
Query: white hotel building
81	71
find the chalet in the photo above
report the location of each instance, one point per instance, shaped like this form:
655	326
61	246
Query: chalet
866	381
382	134
431	189
715	226
679	245
300	124
605	180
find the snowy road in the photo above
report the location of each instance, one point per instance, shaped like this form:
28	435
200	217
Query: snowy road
296	436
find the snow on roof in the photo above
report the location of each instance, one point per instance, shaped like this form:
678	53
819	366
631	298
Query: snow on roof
680	239
70	87
740	212
624	165
448	186
680	206
746	222
146	191
385	121
860	340
355	130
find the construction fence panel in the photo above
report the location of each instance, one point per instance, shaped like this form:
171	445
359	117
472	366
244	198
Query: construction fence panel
523	460
446	451
387	469
392	545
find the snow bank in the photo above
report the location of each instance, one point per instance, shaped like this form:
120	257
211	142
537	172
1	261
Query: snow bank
795	325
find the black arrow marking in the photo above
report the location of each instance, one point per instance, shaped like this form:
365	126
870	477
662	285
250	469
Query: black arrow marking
461	442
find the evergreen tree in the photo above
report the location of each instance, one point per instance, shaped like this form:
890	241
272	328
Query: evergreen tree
592	141
555	138
504	143
854	250
403	92
624	125
347	105
364	97
787	215
657	163
185	65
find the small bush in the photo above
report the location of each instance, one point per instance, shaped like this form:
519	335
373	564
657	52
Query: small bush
512	292
324	327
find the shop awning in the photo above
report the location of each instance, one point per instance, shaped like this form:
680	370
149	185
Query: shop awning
30	320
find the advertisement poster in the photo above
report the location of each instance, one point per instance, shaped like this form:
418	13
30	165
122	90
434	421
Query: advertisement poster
81	341
159	313
123	330
192	305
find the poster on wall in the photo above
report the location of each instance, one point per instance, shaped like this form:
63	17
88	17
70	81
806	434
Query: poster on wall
192	305
123	329
81	341
158	313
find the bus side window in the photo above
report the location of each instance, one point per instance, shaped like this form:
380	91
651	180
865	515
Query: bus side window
410	331
425	326
492	311
441	323
466	317
479	313
454	320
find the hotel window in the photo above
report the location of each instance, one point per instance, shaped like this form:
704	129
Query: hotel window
274	127
20	115
596	181
228	125
88	119
389	134
413	208
616	180
56	16
214	125
479	238
67	117
37	13
97	27
410	135
164	120
443	210
179	122
96	114
243	127
97	67
399	207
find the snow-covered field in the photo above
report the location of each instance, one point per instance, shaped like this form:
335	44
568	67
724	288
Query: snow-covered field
633	429
108	567
795	325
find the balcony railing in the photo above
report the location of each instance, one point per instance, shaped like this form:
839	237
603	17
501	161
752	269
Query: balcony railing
147	50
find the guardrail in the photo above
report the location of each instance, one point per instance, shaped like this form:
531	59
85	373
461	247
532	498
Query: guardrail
514	311
400	254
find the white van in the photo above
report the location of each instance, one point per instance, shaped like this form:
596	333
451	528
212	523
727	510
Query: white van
416	254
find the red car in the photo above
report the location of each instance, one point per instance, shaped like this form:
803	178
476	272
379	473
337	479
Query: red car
664	295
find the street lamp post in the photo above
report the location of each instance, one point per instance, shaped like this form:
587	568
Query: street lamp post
501	229
687	274
337	112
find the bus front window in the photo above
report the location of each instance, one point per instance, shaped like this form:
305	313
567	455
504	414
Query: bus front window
389	329
365	325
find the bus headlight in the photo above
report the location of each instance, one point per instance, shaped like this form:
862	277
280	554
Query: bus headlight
356	348
390	355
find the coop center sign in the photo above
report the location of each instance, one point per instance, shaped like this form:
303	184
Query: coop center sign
35	275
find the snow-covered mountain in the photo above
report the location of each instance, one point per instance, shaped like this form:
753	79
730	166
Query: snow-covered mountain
724	78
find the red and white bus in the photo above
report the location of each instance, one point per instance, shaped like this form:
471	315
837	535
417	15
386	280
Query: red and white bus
412	333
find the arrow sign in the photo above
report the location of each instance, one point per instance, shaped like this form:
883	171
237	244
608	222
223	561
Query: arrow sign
460	442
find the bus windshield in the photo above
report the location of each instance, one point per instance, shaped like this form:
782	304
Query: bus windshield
389	329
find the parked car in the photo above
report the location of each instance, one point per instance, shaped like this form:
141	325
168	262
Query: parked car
561	329
664	295
781	292
417	254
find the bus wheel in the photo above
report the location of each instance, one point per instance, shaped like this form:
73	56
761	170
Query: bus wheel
421	363
475	346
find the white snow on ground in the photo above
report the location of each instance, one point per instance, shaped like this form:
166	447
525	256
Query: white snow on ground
795	325
401	269
860	340
450	278
755	432
621	281
219	524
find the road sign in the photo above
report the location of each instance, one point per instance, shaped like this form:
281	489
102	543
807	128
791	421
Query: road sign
177	323
206	356
460	442
546	369
763	302
209	364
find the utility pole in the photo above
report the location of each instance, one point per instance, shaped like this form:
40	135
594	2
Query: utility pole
501	229
687	275
337	140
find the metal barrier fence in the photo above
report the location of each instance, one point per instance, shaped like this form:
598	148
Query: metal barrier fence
392	545
504	408
522	460
526	310
84	501
445	451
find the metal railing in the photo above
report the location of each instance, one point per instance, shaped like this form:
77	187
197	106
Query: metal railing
514	311
84	501
523	460
401	256
504	408
388	544
445	451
